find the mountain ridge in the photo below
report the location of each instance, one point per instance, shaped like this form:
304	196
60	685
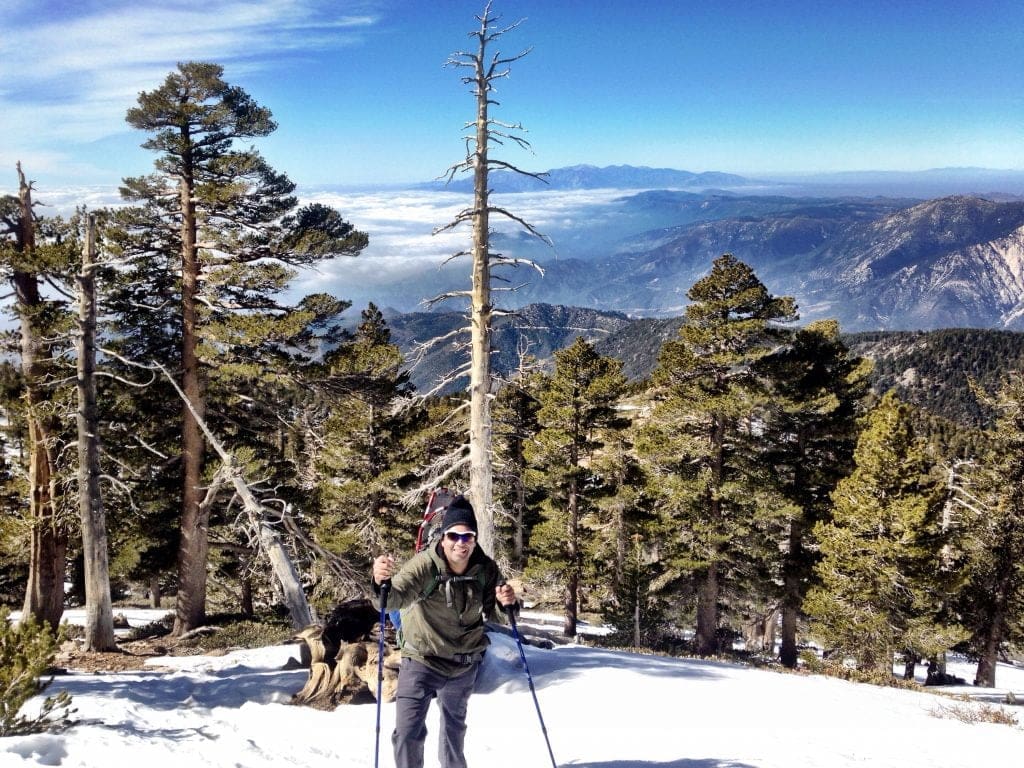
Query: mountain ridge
593	177
871	264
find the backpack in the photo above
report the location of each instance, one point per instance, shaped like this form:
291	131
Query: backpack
433	518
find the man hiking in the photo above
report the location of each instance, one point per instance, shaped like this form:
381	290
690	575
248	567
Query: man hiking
445	593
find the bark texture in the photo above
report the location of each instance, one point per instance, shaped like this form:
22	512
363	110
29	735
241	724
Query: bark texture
44	595
99	620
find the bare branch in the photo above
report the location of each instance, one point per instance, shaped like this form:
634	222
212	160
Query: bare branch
126	382
150	448
57	287
455	256
466	214
522	222
504	261
431	343
444	297
447	465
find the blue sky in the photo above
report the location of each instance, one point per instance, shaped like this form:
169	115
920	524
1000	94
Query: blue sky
361	96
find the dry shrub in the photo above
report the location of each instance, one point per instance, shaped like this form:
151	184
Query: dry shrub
973	712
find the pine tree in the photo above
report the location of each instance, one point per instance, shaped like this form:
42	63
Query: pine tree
818	389
220	220
577	405
875	594
32	251
514	416
992	599
359	458
635	613
699	441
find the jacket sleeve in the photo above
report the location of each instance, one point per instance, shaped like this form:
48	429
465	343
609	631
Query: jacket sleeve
409	582
493	611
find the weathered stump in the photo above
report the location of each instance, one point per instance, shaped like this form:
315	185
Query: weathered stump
343	656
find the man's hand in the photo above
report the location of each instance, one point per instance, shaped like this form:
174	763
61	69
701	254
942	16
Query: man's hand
505	595
383	569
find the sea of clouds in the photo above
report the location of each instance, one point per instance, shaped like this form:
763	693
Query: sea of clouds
408	261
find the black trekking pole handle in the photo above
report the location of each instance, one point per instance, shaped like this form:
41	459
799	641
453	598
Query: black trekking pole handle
385	587
510	611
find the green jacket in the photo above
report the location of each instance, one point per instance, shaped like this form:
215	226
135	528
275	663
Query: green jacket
443	614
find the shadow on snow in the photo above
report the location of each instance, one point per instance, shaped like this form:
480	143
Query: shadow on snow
686	762
210	688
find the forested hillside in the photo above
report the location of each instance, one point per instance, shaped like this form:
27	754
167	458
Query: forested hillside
938	370
932	370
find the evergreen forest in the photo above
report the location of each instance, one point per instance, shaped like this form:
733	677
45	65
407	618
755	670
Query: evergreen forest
175	428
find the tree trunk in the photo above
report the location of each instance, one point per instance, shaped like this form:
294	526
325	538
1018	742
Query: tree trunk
572	586
759	632
480	469
193	550
247	606
284	570
769	626
44	594
99	617
519	508
989	656
909	665
707	612
707	591
792	595
154	591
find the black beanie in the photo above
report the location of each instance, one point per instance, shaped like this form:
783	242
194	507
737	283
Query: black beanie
460	512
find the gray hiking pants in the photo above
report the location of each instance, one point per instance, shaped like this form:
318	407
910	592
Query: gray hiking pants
417	685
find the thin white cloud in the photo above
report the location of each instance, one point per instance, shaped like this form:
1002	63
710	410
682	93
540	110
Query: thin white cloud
68	75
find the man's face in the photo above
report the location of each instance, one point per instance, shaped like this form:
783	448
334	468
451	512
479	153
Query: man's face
457	543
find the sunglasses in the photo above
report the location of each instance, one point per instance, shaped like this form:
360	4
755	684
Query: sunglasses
462	538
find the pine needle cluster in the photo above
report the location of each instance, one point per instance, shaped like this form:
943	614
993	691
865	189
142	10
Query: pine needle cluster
27	650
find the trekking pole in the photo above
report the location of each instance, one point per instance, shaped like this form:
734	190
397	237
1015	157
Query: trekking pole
510	610
384	589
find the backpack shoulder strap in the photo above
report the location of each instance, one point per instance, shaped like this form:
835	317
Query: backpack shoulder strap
431	585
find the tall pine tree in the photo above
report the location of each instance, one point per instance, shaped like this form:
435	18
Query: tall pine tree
876	595
992	600
577	405
220	219
697	441
818	389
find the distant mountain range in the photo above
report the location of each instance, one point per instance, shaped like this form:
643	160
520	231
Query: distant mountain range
872	264
934	182
610	177
871	261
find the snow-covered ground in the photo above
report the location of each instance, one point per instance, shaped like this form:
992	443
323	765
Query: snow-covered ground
603	709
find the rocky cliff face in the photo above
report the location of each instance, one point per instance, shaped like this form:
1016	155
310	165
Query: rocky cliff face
953	262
